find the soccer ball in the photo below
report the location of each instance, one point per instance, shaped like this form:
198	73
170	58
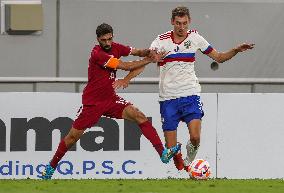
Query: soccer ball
199	169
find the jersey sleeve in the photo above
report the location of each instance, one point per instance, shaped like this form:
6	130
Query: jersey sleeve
203	45
155	45
104	60
124	50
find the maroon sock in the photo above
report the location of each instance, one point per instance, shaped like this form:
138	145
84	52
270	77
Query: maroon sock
60	152
151	134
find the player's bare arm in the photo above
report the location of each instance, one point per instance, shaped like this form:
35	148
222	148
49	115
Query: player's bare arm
125	81
155	57
133	73
132	65
140	52
221	57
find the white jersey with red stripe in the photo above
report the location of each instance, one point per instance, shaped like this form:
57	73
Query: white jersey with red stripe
177	75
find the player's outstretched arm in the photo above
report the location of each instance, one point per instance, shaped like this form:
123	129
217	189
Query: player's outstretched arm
221	57
132	65
129	66
140	52
153	55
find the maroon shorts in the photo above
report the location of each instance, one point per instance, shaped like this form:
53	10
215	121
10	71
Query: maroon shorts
90	114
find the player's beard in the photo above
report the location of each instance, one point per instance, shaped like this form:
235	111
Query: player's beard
106	47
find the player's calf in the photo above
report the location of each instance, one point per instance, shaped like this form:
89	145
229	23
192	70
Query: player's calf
179	163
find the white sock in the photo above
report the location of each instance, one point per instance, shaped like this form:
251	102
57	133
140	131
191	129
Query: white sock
191	153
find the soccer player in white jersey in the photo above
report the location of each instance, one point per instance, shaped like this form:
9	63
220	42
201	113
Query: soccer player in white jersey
179	89
179	86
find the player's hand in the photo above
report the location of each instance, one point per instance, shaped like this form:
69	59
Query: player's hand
146	52
244	47
152	55
120	83
157	56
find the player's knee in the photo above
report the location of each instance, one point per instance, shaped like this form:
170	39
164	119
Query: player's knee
139	117
195	139
72	138
132	113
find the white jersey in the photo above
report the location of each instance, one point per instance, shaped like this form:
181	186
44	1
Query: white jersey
177	75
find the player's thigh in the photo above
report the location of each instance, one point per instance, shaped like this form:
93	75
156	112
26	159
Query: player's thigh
132	113
193	114
116	107
194	128
170	116
88	117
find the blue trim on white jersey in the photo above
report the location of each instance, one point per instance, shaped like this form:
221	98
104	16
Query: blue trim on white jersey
181	55
208	50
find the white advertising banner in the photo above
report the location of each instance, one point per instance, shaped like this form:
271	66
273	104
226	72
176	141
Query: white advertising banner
32	124
250	136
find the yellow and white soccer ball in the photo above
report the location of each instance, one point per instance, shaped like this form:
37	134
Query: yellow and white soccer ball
199	169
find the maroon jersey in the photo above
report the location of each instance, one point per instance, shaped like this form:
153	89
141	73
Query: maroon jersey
100	78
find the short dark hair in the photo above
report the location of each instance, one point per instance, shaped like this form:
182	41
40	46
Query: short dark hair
103	29
180	12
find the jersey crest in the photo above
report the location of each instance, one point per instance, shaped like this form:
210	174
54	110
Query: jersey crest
187	44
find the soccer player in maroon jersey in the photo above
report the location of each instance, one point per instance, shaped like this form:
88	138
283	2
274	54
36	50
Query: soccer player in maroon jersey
99	97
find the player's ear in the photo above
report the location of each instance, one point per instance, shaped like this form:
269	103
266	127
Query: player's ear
172	21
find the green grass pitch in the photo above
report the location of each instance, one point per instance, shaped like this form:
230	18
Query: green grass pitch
142	186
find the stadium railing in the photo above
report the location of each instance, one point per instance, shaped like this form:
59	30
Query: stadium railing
79	81
145	80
